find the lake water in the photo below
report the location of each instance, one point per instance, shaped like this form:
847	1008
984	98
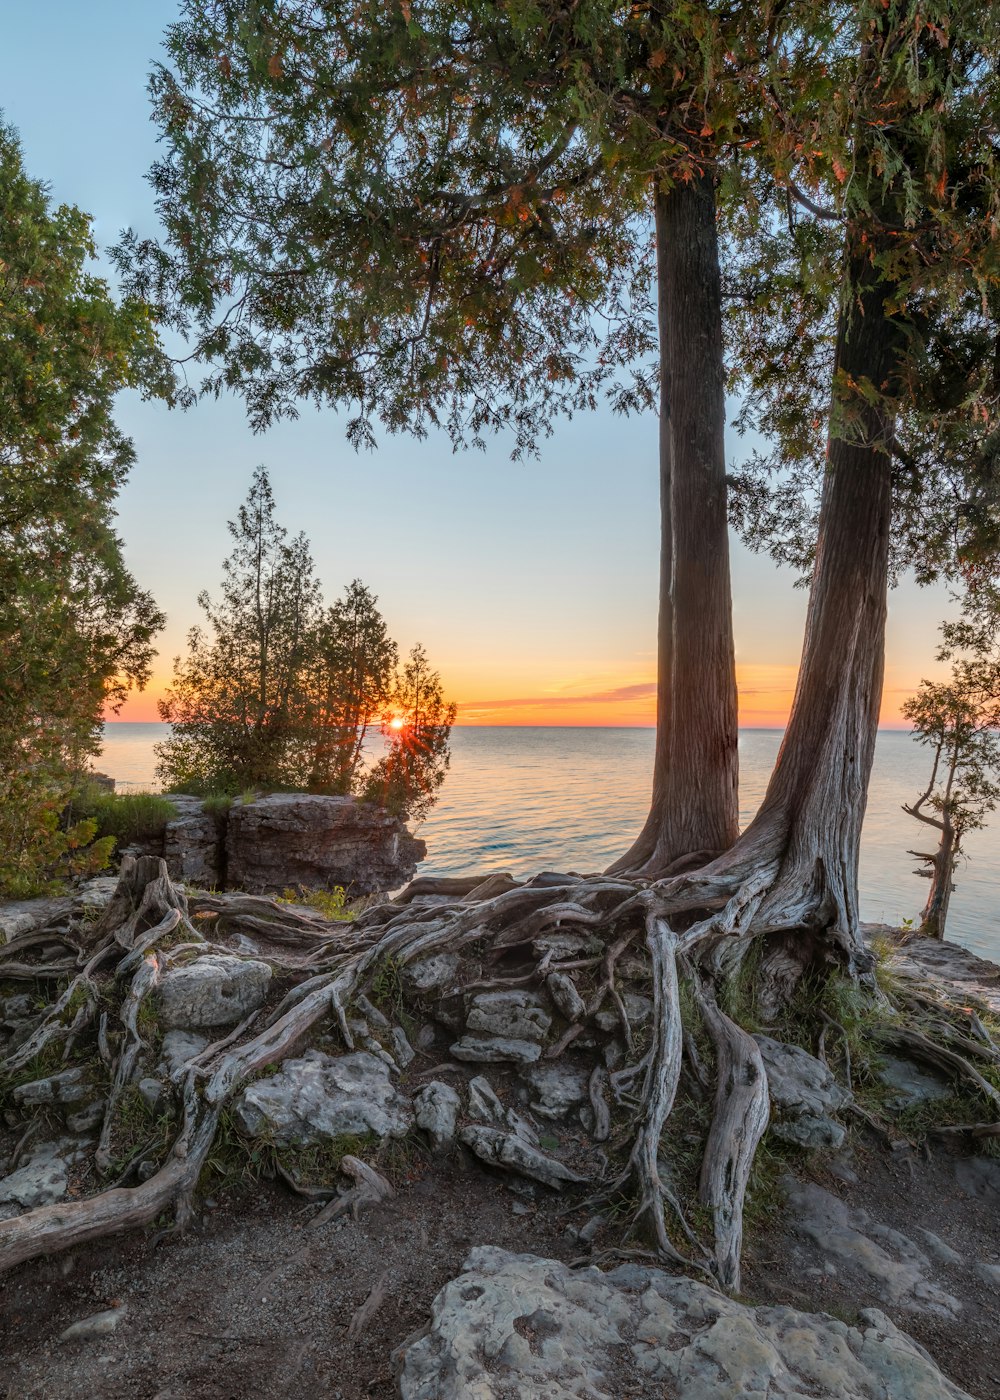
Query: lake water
573	799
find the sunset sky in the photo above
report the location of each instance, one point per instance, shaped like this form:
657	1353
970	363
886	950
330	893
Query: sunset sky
532	585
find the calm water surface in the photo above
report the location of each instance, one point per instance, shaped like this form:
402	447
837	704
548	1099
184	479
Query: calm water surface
572	799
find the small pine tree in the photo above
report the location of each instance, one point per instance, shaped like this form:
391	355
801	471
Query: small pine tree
236	702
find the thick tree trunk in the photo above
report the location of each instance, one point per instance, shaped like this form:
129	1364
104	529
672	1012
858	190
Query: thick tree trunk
809	825
694	809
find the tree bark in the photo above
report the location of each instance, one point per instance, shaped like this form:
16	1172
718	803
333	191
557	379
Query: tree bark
809	823
935	915
694	808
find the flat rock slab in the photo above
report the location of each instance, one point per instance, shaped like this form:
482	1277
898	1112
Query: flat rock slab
321	1096
487	1050
20	916
216	990
557	1088
894	1266
516	1325
516	1015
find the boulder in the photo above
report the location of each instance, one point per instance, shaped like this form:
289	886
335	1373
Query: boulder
436	1107
558	1088
42	1181
638	1009
883	1262
804	1094
177	1049
514	1324
215	990
193	845
68	1086
510	1151
912	1084
288	839
319	1096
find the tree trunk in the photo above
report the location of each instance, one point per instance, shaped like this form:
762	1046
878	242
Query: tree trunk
934	917
809	824
694	809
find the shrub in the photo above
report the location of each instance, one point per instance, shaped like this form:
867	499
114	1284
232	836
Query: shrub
127	816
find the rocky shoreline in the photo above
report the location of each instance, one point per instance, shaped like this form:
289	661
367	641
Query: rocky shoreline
445	1247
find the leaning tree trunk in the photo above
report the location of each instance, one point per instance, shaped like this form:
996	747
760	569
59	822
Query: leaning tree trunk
694	810
942	871
793	872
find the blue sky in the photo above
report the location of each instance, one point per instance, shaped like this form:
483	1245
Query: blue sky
530	583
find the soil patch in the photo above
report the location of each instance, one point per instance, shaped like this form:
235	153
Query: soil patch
256	1303
953	1197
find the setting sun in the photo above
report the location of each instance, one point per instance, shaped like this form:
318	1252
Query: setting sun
397	722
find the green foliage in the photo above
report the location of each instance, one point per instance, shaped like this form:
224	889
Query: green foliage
281	693
233	696
217	805
125	817
349	685
406	780
958	719
75	630
886	169
387	990
332	904
139	1130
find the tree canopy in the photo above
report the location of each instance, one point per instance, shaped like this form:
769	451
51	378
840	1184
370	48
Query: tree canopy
280	691
75	628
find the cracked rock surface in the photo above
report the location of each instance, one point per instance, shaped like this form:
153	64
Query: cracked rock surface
517	1325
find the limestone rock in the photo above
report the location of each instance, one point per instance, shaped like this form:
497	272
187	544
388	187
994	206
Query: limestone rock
637	1008
97	1325
193	844
483	1102
177	1049
886	1262
319	1096
558	1088
517	1015
215	990
812	1133
43	1180
318	842
511	1151
19	916
495	1049
437	974
562	990
804	1093
436	1108
913	1084
514	1324
68	1086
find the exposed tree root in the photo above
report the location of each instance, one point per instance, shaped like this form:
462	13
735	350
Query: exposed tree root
694	929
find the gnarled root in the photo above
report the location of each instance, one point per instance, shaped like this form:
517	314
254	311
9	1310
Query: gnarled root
742	1110
696	928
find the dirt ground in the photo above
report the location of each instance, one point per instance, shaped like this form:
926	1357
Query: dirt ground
259	1304
907	1193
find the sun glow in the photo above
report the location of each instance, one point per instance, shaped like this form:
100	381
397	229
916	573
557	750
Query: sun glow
397	722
